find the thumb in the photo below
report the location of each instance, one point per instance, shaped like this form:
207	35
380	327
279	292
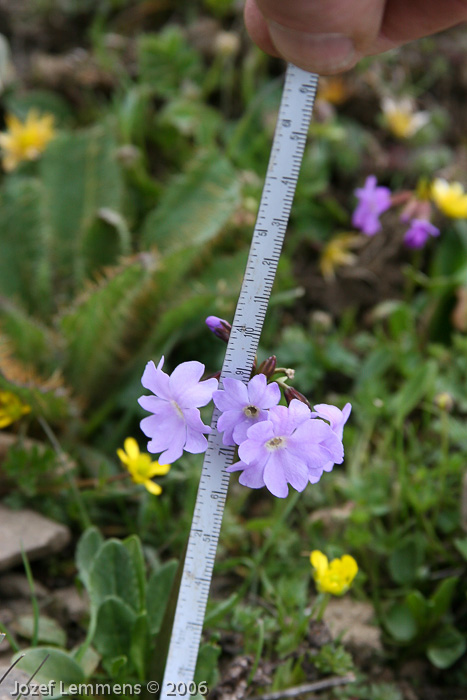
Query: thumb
322	36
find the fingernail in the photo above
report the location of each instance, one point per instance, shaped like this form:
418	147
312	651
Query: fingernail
320	53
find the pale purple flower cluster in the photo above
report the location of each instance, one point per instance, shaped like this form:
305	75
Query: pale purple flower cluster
372	202
278	445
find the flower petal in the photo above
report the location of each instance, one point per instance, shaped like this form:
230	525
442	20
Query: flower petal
156	380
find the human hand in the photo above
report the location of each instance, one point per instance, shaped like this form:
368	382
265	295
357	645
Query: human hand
331	36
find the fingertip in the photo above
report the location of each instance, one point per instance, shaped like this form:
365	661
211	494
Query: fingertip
257	28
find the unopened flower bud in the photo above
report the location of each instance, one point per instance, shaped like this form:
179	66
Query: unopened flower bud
268	366
290	393
219	327
444	401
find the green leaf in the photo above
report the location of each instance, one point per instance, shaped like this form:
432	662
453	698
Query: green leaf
32	343
105	240
59	666
400	623
414	390
419	607
447	646
25	270
405	561
89	544
461	546
72	203
113	574
101	323
194	207
166	60
140	645
158	591
49	631
133	546
115	621
441	599
207	665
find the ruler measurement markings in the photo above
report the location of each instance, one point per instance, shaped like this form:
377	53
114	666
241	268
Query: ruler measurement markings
274	209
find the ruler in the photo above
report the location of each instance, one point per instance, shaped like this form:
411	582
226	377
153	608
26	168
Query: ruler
273	215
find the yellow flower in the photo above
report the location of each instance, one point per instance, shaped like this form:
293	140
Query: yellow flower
334	577
140	466
401	118
336	253
25	140
450	198
333	90
11	408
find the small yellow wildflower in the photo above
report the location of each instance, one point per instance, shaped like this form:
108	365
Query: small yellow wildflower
337	253
25	140
333	90
334	577
400	117
11	408
140	466
450	198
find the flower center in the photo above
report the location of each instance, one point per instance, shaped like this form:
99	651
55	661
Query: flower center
251	411
177	409
276	443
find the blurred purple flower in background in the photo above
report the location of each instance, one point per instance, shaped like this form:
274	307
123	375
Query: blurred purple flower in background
419	232
372	202
176	423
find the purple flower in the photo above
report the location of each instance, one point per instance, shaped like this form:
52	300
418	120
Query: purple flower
290	447
419	232
372	201
336	418
244	405
176	423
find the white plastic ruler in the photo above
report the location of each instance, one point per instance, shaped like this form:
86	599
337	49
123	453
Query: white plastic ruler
273	215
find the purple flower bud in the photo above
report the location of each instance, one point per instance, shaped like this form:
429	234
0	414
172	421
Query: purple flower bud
268	366
290	394
219	327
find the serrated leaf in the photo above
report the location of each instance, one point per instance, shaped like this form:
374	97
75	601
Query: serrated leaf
72	203
194	207
97	326
31	342
25	270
